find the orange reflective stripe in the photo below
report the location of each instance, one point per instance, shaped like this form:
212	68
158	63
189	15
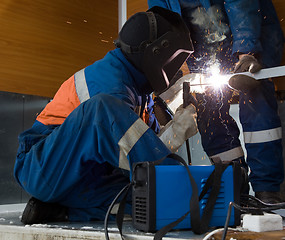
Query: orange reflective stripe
63	103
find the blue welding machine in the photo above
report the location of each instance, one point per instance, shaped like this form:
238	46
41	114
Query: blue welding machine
161	195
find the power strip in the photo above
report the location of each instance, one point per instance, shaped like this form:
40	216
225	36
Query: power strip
262	223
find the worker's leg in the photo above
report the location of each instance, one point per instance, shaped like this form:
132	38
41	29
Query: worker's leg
219	132
259	112
74	163
90	198
263	137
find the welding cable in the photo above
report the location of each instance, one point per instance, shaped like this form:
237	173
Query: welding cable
269	206
226	227
124	190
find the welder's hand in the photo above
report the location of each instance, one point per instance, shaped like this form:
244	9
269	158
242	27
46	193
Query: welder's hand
180	128
247	63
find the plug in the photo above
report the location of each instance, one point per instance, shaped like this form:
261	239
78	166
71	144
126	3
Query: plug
262	223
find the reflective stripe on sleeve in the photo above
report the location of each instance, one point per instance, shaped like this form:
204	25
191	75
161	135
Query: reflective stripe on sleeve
81	86
130	138
263	136
230	154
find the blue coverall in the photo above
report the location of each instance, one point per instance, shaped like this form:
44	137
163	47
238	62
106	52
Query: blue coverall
84	162
220	29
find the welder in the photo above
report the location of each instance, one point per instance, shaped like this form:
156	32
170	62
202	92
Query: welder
78	154
238	36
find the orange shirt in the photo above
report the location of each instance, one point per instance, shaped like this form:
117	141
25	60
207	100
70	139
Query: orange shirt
63	103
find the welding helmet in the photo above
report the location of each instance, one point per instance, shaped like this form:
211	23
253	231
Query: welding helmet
157	43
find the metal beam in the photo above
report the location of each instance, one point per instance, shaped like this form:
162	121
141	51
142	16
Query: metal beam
122	14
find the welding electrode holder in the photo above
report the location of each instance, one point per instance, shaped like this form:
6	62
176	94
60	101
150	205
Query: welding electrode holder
188	98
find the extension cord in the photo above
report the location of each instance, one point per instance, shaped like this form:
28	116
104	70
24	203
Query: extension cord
262	223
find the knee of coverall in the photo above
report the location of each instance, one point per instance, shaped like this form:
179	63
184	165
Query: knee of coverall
134	140
26	168
29	174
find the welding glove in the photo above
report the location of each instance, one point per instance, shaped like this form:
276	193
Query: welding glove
180	128
247	63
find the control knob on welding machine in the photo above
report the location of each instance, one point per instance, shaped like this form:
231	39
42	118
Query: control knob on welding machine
182	126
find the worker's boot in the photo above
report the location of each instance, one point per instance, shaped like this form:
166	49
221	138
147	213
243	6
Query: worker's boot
37	211
269	197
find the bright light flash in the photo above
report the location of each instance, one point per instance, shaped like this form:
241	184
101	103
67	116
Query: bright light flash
216	79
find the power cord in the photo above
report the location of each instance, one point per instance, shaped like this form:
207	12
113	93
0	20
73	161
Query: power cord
111	207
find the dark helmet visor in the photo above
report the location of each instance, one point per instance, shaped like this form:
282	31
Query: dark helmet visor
164	57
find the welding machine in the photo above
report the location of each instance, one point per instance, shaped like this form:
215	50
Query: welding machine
161	195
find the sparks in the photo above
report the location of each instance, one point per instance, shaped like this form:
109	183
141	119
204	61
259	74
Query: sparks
211	77
216	79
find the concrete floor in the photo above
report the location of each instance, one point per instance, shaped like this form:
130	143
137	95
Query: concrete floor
11	228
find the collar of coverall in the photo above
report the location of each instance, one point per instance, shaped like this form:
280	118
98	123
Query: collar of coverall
138	77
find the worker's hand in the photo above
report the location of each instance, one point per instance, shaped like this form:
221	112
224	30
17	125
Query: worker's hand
180	128
240	82
247	63
243	82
